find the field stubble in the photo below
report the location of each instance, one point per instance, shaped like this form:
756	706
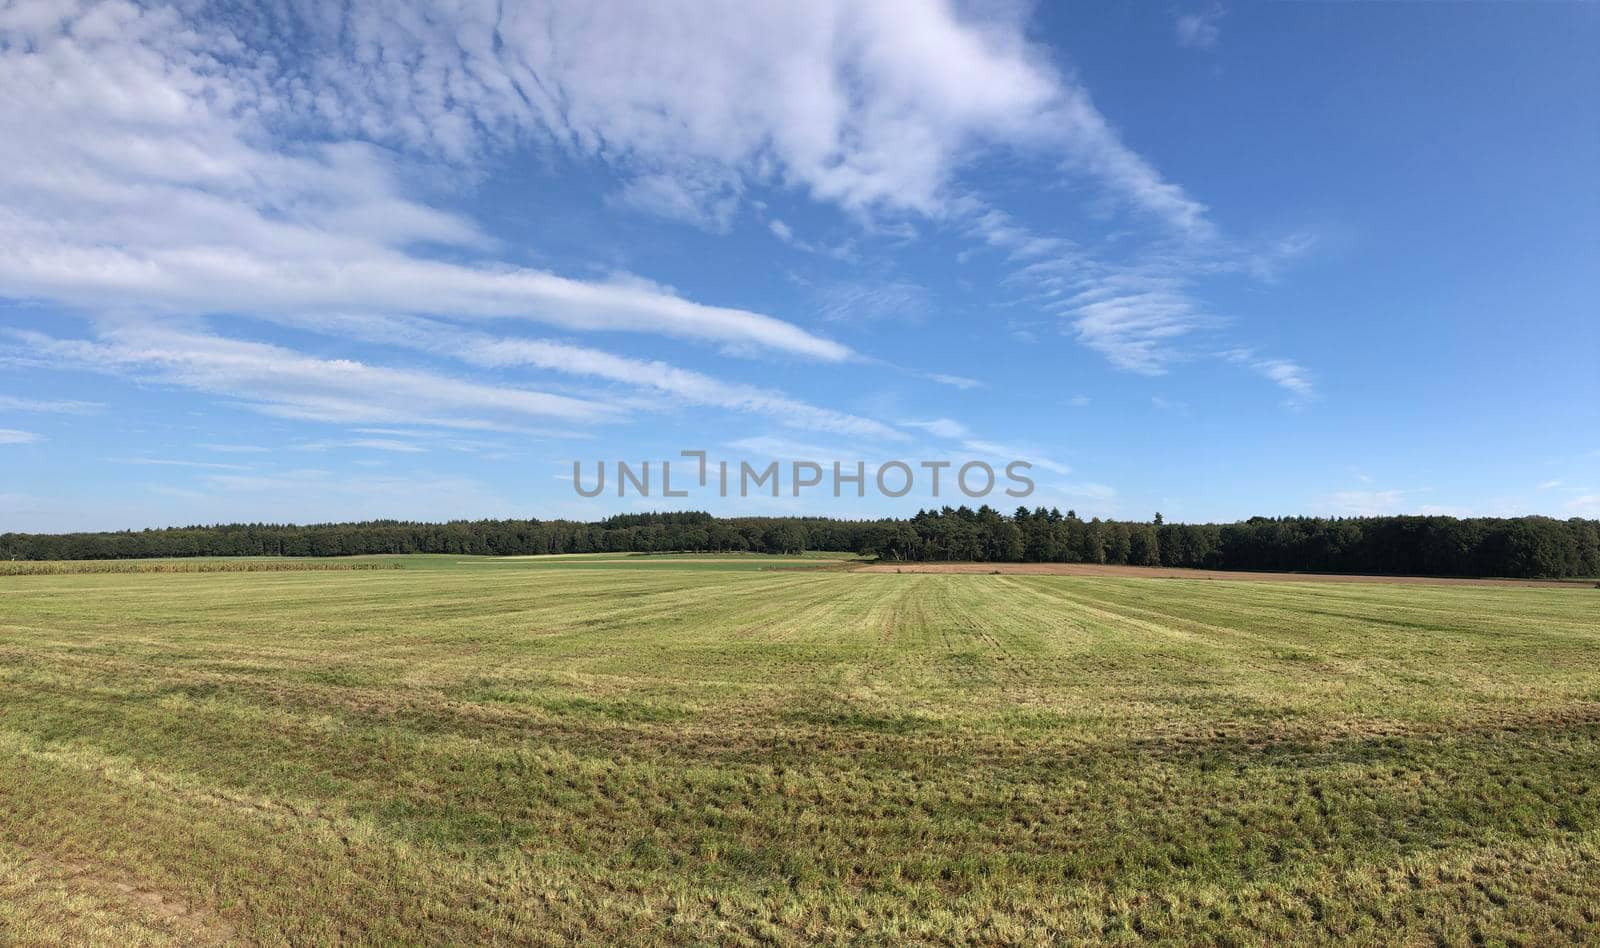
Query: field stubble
679	752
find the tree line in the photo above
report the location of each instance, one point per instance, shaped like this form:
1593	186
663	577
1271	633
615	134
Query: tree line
1533	547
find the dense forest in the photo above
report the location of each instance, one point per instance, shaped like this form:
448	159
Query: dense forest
1419	546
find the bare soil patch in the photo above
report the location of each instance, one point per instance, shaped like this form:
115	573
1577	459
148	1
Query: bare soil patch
1163	572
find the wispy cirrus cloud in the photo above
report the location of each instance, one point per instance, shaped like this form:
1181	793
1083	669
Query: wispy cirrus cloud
940	427
179	462
1142	313
954	381
17	436
49	406
1133	319
1200	30
651	375
369	444
708	203
995	228
694	388
1014	453
1134	312
844	250
1287	374
286	383
856	302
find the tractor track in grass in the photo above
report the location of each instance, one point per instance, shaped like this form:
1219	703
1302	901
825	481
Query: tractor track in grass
1103	571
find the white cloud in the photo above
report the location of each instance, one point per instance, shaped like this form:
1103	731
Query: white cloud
844	251
1549	485
1200	30
940	427
1291	376
394	432
410	441
998	229
771	446
10	403
293	380
13	436
1012	453
370	444
1586	505
1136	310
692	387
709	205
1134	314
1132	329
383	444
858	302
954	381
289	384
175	462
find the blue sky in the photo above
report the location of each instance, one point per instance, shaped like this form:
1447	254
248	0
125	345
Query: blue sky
332	262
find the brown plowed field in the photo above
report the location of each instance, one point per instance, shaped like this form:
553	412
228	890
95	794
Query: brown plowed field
1160	572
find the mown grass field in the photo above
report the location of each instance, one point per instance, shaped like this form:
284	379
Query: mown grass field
710	749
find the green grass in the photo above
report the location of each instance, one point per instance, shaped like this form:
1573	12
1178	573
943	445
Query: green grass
195	565
699	749
699	562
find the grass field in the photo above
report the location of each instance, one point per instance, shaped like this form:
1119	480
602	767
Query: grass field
755	750
241	564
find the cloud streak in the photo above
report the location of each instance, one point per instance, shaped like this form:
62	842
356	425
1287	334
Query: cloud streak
1288	375
656	377
690	387
48	406
286	383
